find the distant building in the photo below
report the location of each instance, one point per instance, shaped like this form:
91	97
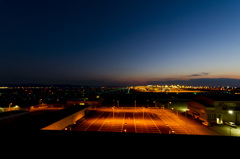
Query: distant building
96	102
215	110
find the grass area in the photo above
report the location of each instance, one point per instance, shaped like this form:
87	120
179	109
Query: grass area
180	106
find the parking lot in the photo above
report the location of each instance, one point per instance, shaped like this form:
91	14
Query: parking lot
139	120
122	120
226	130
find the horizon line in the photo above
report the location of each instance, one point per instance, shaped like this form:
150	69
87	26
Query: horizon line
107	83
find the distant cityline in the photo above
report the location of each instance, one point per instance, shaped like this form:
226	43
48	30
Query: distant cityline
184	89
210	82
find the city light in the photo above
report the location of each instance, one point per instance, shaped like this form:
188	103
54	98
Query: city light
136	109
182	89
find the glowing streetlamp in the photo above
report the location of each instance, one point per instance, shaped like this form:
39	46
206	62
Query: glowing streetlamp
113	111
9	106
40	101
169	103
143	111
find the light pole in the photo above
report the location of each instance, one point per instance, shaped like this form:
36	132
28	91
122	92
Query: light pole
169	131
169	103
186	116
154	103
143	112
40	101
113	111
230	131
232	112
10	104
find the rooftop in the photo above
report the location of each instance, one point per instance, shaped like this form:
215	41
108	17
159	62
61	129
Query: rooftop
34	121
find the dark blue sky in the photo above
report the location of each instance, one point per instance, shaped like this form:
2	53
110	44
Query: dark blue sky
71	42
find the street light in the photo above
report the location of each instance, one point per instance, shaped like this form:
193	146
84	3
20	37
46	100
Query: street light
143	111
186	113
169	131
113	111
169	103
16	107
236	118
10	104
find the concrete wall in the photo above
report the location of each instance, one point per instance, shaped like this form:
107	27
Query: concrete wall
61	124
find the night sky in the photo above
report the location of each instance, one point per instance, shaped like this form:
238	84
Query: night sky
118	41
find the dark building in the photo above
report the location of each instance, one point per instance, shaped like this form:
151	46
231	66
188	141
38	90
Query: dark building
215	110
